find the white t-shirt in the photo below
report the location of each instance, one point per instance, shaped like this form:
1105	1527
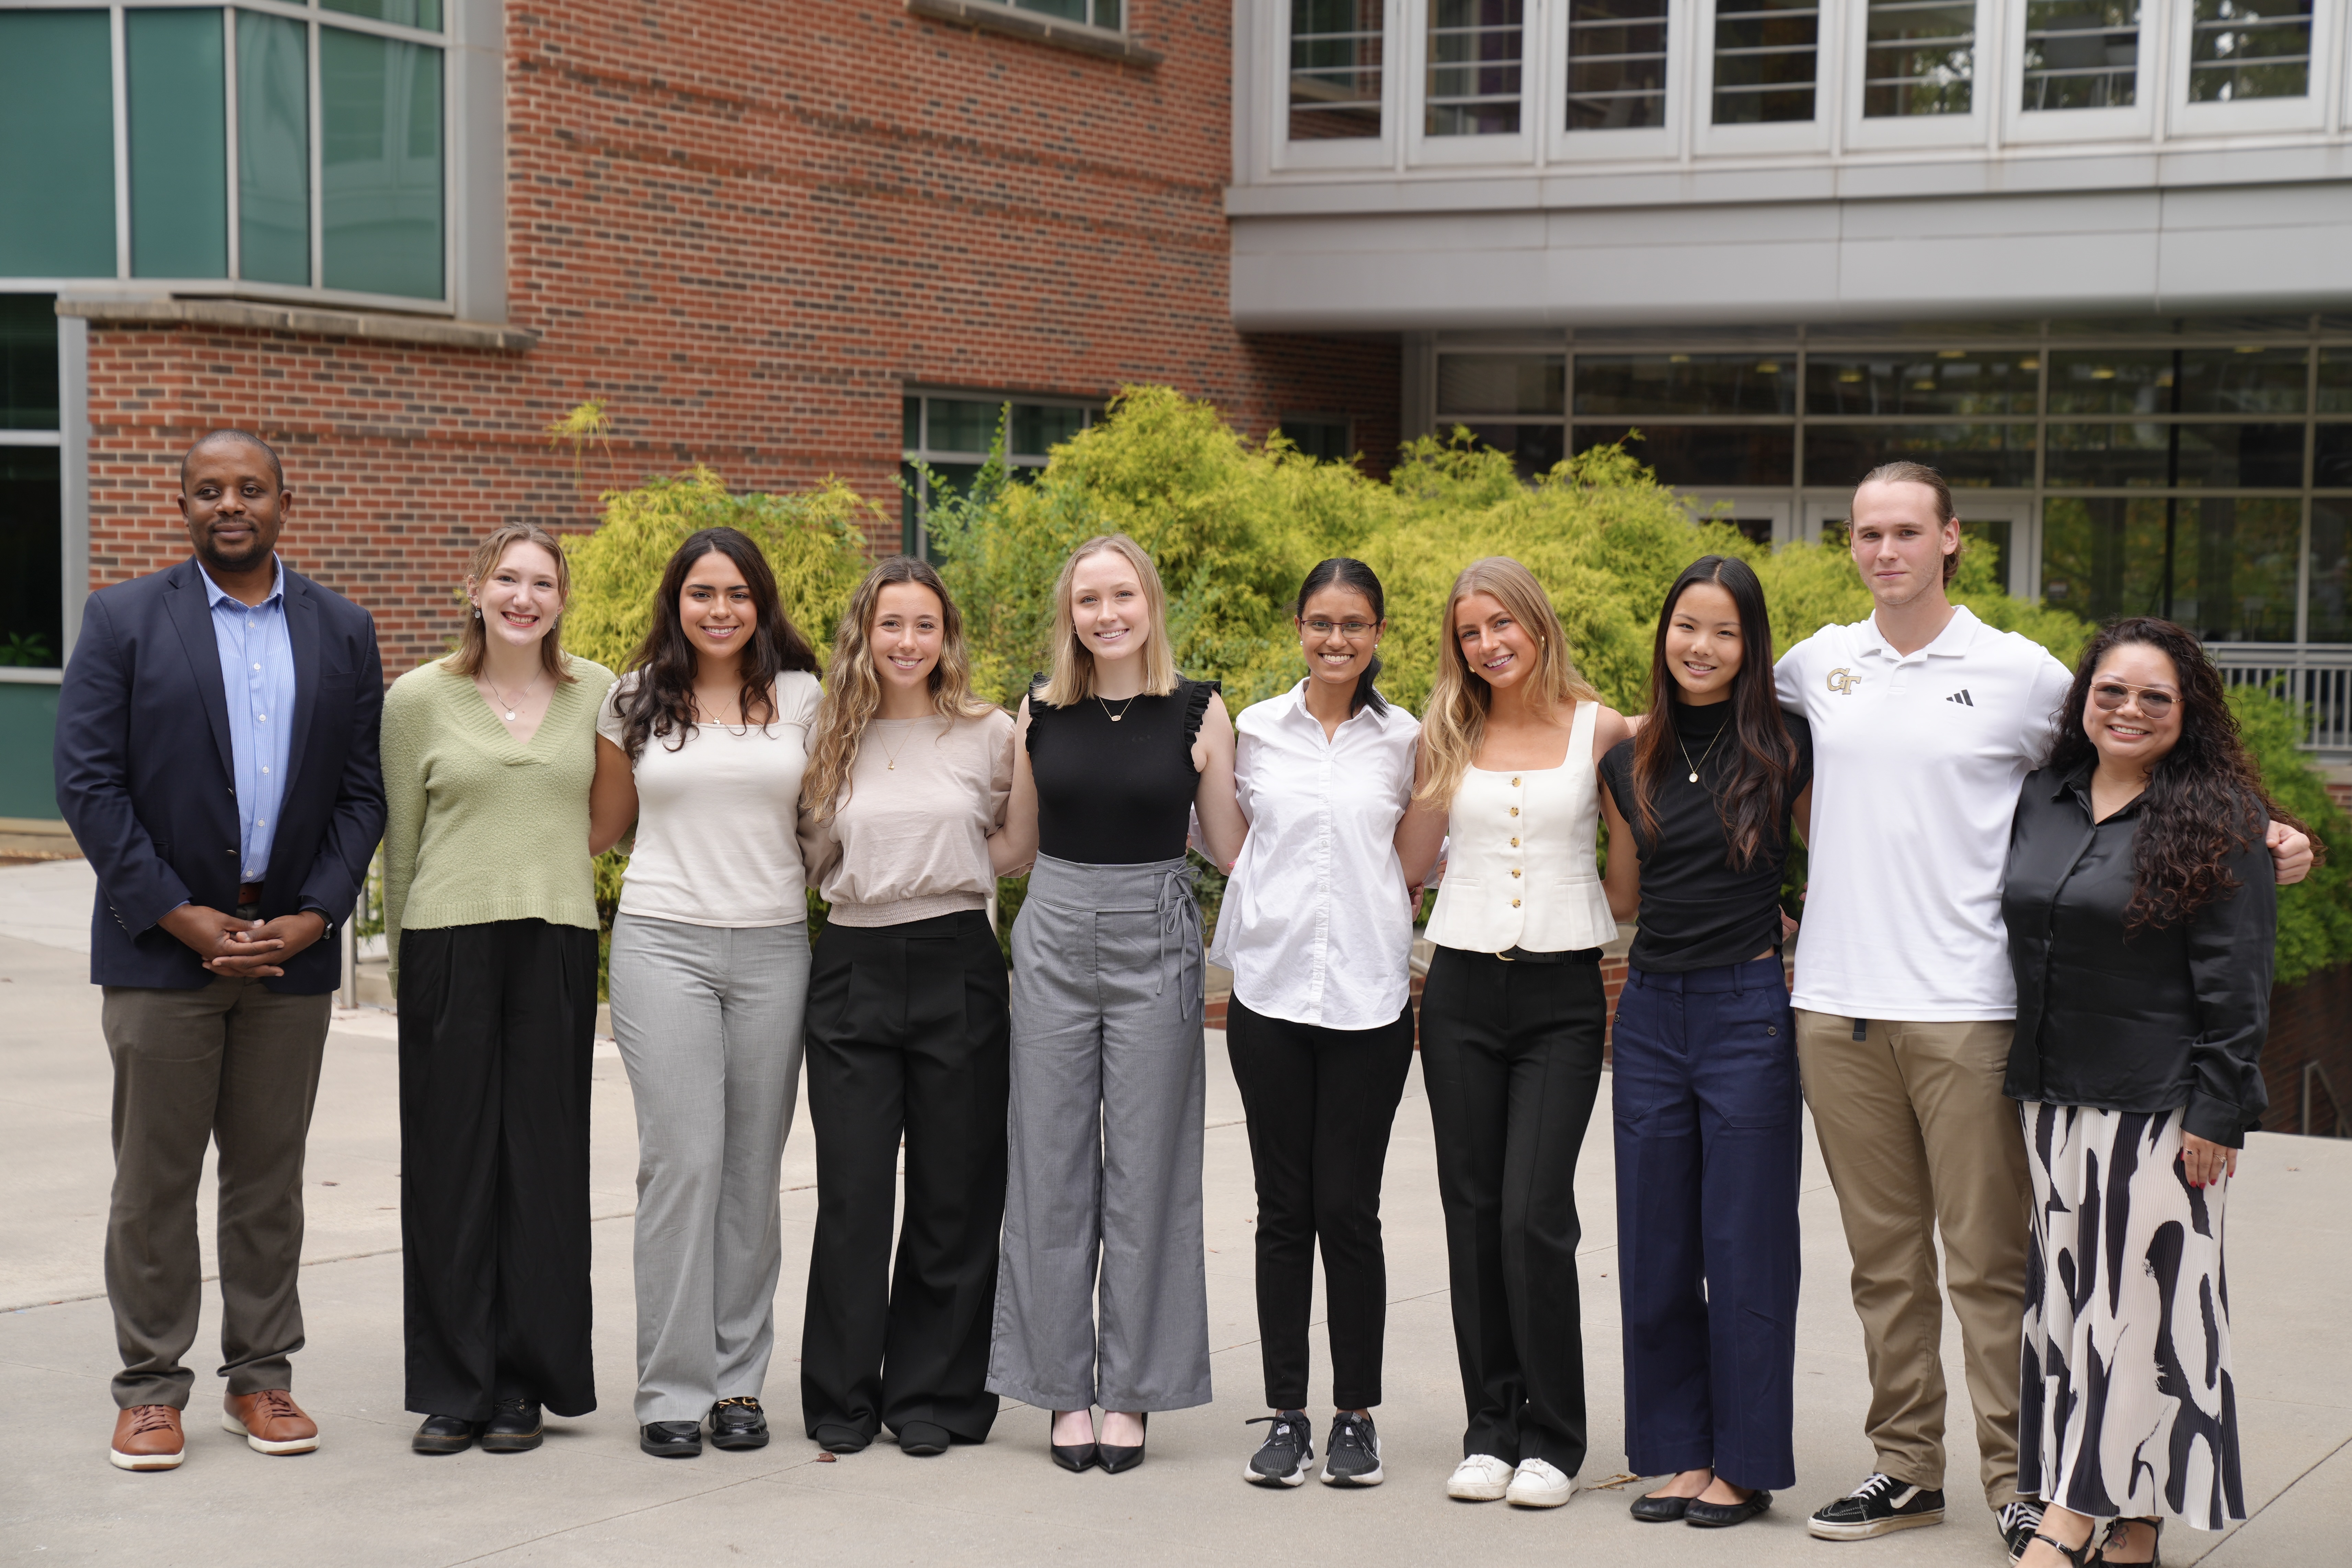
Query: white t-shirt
1916	765
715	816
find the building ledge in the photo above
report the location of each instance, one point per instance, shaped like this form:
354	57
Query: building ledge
995	17
374	325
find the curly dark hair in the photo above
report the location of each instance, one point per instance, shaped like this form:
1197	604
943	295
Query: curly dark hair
2205	800
661	701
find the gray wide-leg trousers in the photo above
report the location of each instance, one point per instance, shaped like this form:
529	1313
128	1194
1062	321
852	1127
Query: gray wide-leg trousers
709	1022
1102	1204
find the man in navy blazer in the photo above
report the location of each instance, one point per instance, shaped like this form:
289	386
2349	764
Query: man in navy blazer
217	759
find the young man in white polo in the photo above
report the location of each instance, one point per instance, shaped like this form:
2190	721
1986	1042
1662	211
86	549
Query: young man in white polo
1925	722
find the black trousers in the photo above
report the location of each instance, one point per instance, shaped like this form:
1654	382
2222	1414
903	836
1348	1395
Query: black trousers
908	1037
496	1034
1510	1055
1320	1104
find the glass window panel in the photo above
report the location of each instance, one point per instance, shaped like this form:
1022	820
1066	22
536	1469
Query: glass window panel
1685	383
2334	381
28	362
2329	614
2331	465
1923	381
1038	428
2081	54
1501	383
1616	64
1534	448
1767	53
1988	539
1710	455
2243	379
1326	439
1337	54
273	149
32	544
179	144
1966	455
2163	456
57	145
2223	567
424	14
2111	380
963	424
910	421
2248	48
381	167
1920	58
1473	68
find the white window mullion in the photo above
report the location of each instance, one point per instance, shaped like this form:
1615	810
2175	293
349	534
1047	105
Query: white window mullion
121	144
317	119
230	147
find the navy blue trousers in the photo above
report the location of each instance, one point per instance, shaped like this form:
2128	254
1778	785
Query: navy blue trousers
1709	1143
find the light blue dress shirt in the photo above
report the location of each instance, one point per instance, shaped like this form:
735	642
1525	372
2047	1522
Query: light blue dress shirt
256	658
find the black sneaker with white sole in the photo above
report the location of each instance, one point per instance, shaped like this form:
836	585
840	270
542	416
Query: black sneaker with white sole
1352	1457
1878	1505
2019	1520
1283	1458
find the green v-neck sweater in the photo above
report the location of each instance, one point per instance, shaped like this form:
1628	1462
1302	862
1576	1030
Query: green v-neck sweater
478	827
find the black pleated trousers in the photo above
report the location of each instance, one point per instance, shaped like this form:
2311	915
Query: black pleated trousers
909	1038
497	1034
1510	1057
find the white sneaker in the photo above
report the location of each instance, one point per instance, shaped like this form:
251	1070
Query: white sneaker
1537	1483
1481	1477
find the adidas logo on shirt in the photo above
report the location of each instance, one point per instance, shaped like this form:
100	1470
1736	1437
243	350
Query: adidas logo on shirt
1962	697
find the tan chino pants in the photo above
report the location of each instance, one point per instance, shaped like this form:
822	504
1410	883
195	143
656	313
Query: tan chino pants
1917	1136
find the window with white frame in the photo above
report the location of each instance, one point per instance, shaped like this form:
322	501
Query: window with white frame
2081	54
32	591
1767	60
1336	57
1475	78
1918	58
2240	50
1093	13
948	438
1616	64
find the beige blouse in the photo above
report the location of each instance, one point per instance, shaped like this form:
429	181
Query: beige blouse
911	839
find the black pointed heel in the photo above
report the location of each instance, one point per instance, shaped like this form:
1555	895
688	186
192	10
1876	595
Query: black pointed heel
1072	1457
1116	1458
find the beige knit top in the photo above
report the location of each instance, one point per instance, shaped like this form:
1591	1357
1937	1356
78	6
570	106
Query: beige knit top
911	841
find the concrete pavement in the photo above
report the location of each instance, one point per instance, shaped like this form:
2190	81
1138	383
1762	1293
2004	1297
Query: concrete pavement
589	1496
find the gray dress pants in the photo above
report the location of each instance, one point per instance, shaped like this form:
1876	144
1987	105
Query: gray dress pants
709	1022
1102	1203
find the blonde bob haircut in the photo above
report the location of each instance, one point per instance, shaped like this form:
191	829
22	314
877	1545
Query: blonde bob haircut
1460	699
474	645
853	688
1071	678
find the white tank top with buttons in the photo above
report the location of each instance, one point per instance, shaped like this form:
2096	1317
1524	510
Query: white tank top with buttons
1521	872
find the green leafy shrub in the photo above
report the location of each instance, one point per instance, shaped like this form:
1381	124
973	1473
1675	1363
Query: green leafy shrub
2315	917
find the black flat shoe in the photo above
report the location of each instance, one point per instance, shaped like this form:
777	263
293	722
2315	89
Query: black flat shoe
671	1439
1072	1457
514	1427
923	1439
842	1439
1116	1458
1720	1515
739	1423
1659	1509
443	1434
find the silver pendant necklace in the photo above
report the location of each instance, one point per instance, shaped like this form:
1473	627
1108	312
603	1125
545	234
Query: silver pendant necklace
509	704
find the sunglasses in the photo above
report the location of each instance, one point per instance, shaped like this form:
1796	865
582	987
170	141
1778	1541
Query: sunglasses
2154	701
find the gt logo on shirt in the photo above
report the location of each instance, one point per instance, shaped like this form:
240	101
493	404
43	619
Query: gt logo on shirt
1843	682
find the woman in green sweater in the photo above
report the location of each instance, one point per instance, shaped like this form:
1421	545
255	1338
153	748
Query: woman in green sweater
490	915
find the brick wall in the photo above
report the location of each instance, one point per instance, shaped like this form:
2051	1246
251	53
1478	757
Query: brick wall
747	226
2309	1024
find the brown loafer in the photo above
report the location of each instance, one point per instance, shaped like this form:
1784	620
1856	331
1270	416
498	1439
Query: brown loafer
270	1422
147	1438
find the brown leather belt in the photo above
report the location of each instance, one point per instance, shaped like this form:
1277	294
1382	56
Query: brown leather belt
248	892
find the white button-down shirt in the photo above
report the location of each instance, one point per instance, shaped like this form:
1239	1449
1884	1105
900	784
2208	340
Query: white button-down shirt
1315	926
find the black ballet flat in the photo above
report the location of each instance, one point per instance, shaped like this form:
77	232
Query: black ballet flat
1659	1509
1116	1458
1072	1457
1704	1515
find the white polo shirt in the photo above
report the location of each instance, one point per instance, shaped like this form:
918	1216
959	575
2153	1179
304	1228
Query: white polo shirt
1916	765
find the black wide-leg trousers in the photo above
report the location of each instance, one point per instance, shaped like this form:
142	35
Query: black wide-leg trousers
908	1037
1320	1104
1510	1056
497	1037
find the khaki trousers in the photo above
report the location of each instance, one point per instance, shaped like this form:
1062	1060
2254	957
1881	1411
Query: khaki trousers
1917	1136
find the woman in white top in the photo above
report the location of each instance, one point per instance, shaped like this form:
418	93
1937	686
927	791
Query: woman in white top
900	820
1512	1015
702	743
1317	927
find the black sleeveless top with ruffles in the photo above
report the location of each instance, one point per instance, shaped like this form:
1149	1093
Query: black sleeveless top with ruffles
1116	792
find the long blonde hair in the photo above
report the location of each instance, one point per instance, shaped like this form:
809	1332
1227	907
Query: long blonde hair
474	645
1455	725
1071	677
852	690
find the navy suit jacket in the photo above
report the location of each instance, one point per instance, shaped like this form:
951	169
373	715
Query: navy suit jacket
145	779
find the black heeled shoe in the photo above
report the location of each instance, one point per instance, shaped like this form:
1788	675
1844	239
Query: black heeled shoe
2155	1547
1116	1458
1072	1457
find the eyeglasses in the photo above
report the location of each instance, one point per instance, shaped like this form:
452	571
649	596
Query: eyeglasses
1354	631
2154	701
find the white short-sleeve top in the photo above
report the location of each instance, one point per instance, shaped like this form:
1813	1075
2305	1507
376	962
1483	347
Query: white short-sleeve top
1521	872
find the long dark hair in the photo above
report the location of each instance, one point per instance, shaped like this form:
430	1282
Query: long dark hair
1754	798
2205	800
1345	572
662	701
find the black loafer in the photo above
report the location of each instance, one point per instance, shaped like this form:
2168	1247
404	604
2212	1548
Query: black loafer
1717	1515
841	1439
923	1439
739	1423
671	1439
1659	1509
514	1427
1116	1458
443	1434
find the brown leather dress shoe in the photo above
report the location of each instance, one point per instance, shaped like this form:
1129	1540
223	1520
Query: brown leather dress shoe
147	1438
270	1422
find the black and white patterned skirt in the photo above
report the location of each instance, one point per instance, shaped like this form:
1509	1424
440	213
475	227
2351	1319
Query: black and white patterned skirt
2126	1408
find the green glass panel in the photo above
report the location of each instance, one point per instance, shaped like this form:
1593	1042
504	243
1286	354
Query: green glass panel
179	144
960	424
910	420
1037	428
2223	567
2336	381
32	587
2330	610
424	14
381	163
57	145
1685	383
28	362
273	150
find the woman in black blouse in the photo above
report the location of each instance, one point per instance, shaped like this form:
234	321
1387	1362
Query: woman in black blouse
1114	752
2142	917
1699	805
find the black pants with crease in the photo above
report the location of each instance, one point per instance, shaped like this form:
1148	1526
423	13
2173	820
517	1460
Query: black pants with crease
497	1036
908	1037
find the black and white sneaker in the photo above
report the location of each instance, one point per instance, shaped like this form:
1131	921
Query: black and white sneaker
1878	1505
1352	1457
2019	1520
1281	1460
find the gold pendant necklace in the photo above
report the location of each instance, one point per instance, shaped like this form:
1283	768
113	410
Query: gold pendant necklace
1703	756
891	754
1115	718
